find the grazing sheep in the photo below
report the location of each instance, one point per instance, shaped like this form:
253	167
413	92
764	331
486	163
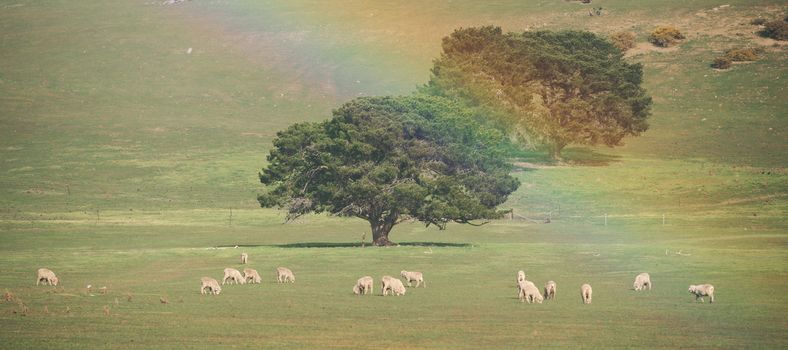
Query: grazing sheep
244	258
363	285
206	282
284	275
413	276
251	276
521	288
585	293
520	276
702	290
46	276
549	290
393	285
233	274
642	280
527	291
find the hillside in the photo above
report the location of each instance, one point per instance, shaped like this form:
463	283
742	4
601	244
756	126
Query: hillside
131	135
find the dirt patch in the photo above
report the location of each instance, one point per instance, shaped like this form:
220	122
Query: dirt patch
644	48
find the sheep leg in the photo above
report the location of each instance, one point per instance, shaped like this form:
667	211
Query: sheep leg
711	298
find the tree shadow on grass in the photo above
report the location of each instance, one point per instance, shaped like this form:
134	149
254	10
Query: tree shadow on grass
574	156
345	245
358	245
588	157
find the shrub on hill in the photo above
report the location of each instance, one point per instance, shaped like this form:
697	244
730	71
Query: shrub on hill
721	63
777	30
665	36
623	40
743	55
758	21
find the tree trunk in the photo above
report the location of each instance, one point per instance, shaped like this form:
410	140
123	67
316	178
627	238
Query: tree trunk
380	233
555	151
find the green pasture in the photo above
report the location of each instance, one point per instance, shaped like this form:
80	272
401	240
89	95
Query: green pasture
127	162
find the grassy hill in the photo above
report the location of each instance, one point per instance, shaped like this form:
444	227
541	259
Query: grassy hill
131	134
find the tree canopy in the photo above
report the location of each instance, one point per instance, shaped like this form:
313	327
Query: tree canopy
548	88
389	159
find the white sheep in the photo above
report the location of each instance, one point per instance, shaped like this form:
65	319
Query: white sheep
585	293
642	280
211	284
234	275
393	285
251	276
244	258
284	275
46	276
702	290
549	290
520	276
363	285
527	291
413	276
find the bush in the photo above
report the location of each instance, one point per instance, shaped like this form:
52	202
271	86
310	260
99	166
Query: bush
777	30
665	36
758	21
623	40
722	63
742	55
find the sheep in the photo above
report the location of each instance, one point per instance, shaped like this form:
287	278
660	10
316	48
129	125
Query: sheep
244	258
702	290
251	276
642	280
283	275
46	276
549	290
363	285
413	276
393	285
520	276
527	291
585	293
233	274
206	282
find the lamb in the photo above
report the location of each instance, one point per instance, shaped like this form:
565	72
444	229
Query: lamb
520	276
393	285
363	285
244	258
413	276
702	290
233	274
283	275
46	276
585	293
209	283
549	290
527	291
251	276
642	280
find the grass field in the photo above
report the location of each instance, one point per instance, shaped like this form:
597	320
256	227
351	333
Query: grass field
127	162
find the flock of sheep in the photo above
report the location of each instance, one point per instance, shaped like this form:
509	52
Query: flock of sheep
526	290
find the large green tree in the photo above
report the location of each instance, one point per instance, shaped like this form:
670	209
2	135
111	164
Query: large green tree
548	88
389	159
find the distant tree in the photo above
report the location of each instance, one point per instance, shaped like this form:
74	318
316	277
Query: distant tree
389	159
550	88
